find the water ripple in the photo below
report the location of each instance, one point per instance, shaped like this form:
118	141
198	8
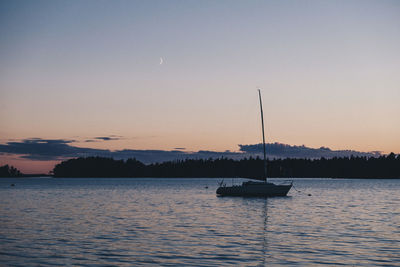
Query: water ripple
171	222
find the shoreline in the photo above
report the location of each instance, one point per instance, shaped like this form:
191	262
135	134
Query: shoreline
280	178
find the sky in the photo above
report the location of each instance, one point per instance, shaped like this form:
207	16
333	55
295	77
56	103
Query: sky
183	75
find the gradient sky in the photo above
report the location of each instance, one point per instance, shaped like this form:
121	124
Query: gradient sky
330	73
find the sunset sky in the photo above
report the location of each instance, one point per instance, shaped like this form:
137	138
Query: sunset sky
183	75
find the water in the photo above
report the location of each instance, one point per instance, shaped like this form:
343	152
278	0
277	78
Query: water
133	222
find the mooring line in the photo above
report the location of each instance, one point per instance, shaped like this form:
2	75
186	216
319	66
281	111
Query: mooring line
299	190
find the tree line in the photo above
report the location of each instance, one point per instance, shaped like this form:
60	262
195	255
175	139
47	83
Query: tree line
345	167
9	171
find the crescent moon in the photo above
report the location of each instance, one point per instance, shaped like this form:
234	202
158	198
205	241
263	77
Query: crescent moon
161	60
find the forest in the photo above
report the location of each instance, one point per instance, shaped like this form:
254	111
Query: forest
387	166
9	171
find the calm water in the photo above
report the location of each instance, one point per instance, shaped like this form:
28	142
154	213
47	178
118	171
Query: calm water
132	222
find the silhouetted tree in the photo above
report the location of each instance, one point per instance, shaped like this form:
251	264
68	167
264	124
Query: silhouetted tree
347	167
9	171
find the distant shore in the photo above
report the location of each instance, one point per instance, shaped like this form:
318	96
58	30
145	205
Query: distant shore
383	167
288	178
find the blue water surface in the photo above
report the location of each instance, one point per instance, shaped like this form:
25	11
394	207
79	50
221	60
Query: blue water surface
169	222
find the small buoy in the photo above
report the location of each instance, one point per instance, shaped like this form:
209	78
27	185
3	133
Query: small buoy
206	187
309	195
12	185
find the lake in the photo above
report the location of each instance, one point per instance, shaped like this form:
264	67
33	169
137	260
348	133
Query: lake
169	222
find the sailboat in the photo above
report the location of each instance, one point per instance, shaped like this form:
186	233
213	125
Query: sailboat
252	188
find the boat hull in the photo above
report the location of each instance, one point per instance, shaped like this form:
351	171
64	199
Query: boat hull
254	189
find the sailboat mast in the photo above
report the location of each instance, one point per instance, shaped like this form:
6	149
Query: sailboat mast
263	135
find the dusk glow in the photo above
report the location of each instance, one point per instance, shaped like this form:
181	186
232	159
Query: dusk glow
161	75
199	132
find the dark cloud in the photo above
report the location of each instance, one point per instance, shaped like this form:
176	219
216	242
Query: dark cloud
287	151
48	149
103	138
108	138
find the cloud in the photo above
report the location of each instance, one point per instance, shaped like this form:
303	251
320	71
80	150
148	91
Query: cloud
60	149
108	138
103	138
47	149
279	150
